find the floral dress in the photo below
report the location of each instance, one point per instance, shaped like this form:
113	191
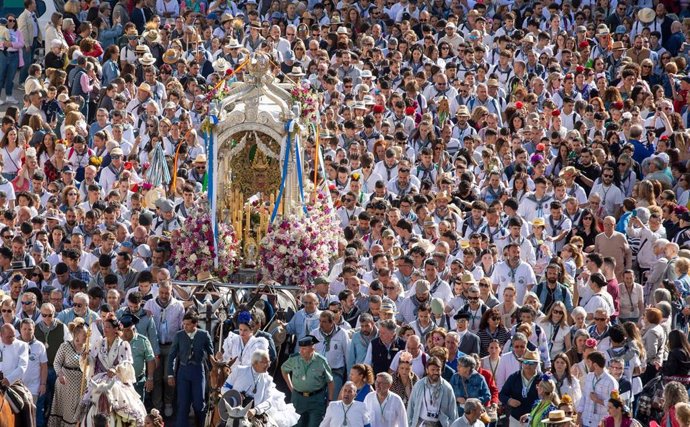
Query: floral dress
126	402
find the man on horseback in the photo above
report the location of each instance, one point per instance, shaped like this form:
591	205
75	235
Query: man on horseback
256	385
14	356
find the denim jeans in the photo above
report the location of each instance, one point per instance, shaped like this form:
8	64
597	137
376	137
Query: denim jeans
9	62
45	400
28	60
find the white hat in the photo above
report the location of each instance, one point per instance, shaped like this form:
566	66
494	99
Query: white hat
233	44
296	71
342	30
366	74
147	59
221	65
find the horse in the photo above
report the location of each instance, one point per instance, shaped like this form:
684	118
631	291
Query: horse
7	418
217	376
236	416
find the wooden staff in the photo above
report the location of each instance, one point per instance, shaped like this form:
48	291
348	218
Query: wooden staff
85	368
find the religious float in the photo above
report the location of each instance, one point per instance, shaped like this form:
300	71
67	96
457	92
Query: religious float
264	217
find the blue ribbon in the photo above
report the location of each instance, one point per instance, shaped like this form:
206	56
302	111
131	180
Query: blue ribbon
288	147
298	165
208	139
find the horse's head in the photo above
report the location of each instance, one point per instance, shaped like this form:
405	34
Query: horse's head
219	373
101	395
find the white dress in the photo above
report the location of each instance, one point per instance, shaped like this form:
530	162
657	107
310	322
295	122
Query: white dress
125	400
234	347
267	399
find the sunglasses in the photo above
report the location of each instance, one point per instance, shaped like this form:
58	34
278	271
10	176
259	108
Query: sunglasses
557	312
47	314
78	305
7	311
27	302
600	319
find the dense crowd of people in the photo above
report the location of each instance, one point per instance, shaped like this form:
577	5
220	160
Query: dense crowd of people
511	179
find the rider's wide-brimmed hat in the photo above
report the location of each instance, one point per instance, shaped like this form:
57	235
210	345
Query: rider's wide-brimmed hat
231	399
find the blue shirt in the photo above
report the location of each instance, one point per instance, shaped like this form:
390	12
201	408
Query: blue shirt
642	151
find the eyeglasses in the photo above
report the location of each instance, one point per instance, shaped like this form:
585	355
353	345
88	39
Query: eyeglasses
607	176
557	312
11	20
47	314
115	157
78	305
587	218
390	288
71	194
622	164
27	302
600	319
6	310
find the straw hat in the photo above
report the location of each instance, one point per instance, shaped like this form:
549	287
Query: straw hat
152	36
557	417
171	56
530	356
145	87
225	18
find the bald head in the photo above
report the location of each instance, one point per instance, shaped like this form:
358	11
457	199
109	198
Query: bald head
7	333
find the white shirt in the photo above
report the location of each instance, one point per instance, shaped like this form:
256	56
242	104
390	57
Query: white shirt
37	357
234	347
168	320
508	365
611	196
14	360
337	413
521	277
600	300
389	413
417	363
338	347
245	380
592	413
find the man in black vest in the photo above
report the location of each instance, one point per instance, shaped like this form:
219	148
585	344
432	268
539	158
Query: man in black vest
192	349
383	348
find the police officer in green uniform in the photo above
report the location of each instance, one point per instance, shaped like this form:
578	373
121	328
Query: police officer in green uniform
310	379
142	354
